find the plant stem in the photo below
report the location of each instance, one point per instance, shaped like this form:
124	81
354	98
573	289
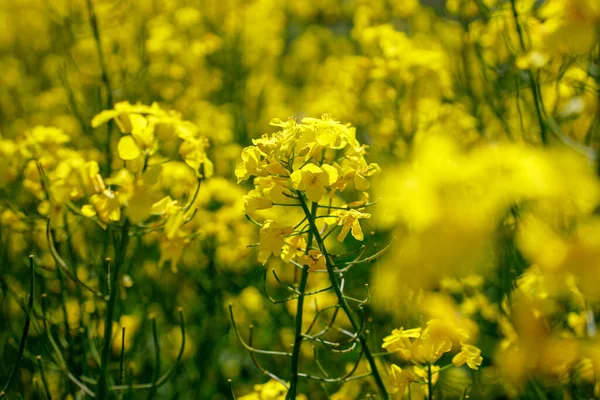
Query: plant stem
343	303
15	367
110	308
429	382
535	91
105	80
291	395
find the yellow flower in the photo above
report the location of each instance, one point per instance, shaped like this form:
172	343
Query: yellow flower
122	112
400	341
106	205
313	180
399	380
254	201
272	237
171	250
330	133
349	219
468	354
141	140
314	259
275	188
193	151
433	343
423	373
251	164
364	170
294	247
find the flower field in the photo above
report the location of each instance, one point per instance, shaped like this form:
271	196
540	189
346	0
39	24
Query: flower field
277	200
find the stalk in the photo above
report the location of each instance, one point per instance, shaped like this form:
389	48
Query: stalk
342	300
535	90
110	308
291	395
28	312
429	382
105	80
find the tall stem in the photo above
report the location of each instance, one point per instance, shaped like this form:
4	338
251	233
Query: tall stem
342	300
110	308
105	80
535	90
291	395
429	382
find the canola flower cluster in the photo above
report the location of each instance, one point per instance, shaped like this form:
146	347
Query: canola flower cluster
433	234
315	160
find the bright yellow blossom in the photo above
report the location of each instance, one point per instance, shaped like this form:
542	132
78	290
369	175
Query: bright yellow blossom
400	341
350	220
314	180
272	237
254	201
314	259
400	379
468	354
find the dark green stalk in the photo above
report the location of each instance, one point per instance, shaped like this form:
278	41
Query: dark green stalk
44	381
63	306
156	362
429	382
165	377
468	78
291	395
343	303
532	79
15	366
105	80
110	309
122	362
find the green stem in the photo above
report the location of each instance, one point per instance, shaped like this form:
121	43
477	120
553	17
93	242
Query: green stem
343	303
105	80
291	395
429	382
535	91
43	375
152	392
110	308
15	367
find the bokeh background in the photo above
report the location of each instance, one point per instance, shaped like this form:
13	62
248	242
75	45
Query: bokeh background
482	114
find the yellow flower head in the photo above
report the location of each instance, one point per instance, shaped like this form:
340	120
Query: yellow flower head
399	379
400	341
251	165
314	180
272	237
433	343
314	259
470	355
254	201
349	220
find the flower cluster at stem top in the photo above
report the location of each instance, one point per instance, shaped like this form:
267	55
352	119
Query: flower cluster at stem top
314	160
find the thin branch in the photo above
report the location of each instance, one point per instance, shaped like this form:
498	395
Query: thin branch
342	378
156	360
248	347
343	303
63	265
15	367
260	368
43	375
165	377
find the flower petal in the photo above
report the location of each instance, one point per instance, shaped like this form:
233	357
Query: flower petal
128	148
